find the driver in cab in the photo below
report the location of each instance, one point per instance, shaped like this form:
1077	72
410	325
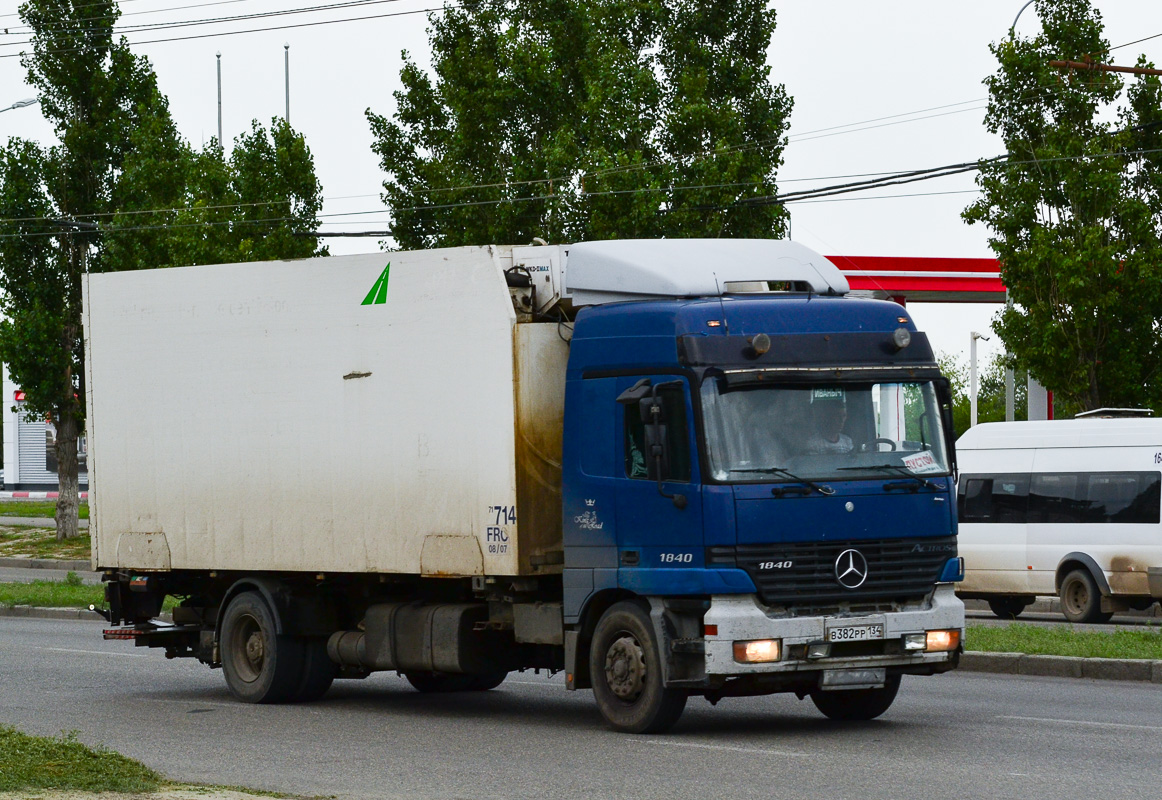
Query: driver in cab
829	414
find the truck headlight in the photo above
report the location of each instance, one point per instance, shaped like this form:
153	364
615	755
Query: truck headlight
758	651
916	641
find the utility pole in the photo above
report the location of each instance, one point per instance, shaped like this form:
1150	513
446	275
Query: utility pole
220	144
1104	67
286	64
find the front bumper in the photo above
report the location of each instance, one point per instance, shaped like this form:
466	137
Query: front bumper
742	617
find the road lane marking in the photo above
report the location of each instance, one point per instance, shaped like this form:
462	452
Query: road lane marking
93	652
726	747
1087	722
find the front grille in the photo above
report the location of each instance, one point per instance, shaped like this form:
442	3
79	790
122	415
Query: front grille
803	573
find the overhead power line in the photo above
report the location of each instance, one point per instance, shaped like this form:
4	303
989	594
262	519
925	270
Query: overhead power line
160	26
253	30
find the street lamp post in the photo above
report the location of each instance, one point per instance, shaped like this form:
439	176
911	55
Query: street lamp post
286	62
220	144
972	377
22	103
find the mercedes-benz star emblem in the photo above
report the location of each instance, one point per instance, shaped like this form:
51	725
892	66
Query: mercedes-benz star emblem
851	569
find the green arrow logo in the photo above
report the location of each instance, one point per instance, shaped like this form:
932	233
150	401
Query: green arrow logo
378	293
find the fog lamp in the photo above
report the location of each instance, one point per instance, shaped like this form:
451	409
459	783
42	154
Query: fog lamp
916	641
901	338
761	344
942	641
758	651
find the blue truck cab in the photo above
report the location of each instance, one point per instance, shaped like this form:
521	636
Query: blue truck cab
757	483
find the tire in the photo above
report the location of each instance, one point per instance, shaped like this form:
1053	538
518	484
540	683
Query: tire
319	671
486	682
857	705
438	682
626	669
260	666
1080	598
1007	607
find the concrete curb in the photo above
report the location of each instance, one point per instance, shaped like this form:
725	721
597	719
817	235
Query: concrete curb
36	612
46	563
1102	669
8	495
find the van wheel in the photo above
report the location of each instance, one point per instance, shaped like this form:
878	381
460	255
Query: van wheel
1080	598
626	668
260	666
854	705
1007	607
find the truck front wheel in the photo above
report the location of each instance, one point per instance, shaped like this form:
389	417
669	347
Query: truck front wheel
260	665
855	705
626	668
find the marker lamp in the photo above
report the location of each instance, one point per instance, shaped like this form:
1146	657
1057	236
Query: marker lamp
758	651
942	641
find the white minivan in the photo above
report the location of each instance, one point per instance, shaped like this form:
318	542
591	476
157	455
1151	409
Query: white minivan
1067	508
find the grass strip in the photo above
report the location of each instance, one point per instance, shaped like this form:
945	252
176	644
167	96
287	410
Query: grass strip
69	593
42	543
51	594
1065	641
35	508
39	762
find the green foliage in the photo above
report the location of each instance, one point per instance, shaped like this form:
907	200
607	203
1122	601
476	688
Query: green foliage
38	762
990	392
571	120
1064	641
1076	213
73	579
262	203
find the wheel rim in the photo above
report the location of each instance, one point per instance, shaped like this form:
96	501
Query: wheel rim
625	668
248	649
1076	597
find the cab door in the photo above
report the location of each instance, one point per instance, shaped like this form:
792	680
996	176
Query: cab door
658	529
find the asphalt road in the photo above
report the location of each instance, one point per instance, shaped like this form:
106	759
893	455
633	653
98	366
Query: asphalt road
953	736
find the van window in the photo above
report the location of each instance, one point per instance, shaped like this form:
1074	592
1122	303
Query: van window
1061	498
993	498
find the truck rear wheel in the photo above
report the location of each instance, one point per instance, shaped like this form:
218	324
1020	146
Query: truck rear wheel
626	668
319	671
260	665
856	705
1080	598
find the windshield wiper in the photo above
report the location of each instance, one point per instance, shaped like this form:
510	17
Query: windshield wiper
827	491
896	468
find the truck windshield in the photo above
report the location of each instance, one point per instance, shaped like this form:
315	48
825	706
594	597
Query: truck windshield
763	432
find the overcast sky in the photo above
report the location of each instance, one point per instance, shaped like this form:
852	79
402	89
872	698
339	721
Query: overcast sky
903	78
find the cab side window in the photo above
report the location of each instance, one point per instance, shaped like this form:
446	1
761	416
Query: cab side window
677	438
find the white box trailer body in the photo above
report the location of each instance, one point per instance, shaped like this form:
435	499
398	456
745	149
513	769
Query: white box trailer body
1039	501
373	413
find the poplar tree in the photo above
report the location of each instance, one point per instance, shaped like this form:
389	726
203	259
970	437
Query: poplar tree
1075	212
570	120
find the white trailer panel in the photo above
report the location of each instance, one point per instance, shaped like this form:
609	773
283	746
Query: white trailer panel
346	414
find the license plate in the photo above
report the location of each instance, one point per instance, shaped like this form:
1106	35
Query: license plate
855	633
